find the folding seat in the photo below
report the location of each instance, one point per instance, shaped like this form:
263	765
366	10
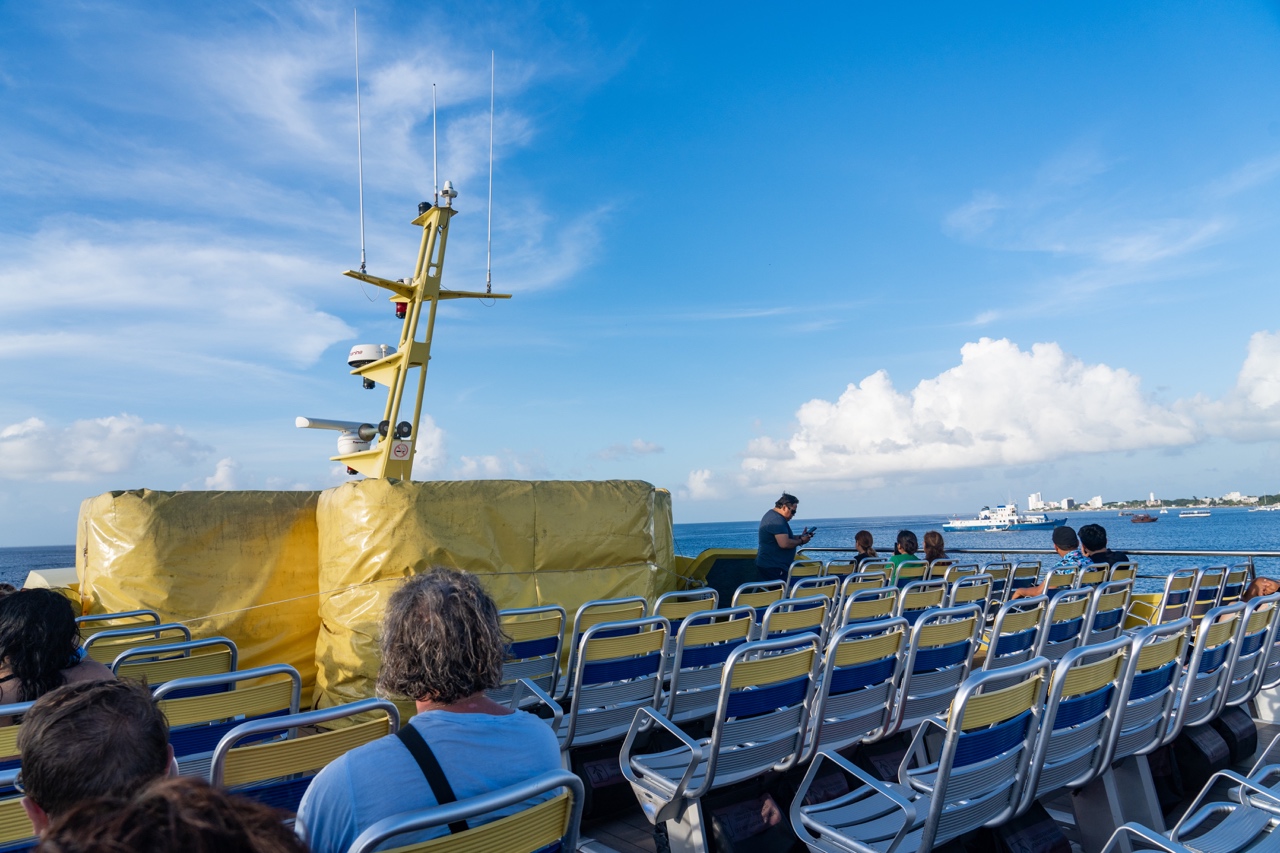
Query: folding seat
676	606
1059	580
939	657
201	709
919	597
594	613
278	771
122	619
910	571
758	595
794	616
1086	693
1001	573
976	780
1064	623
883	566
939	568
767	688
868	605
1015	633
106	646
703	643
551	824
1203	687
1123	572
156	665
537	641
1025	573
957	571
1235	583
1257	632
1174	603
619	667
970	589
842	568
861	581
1092	574
805	569
861	670
827	586
1107	608
1209	581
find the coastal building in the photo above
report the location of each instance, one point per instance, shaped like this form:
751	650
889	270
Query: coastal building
1095	502
1035	502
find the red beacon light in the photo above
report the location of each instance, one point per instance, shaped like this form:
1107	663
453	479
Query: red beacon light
402	308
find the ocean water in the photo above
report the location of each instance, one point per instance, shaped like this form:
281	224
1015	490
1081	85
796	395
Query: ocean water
15	563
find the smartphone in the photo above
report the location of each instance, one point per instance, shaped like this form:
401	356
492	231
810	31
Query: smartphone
811	530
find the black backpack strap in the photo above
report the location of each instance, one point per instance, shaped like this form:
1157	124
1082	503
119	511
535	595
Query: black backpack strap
426	759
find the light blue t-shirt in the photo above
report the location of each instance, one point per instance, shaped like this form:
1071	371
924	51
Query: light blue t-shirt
479	753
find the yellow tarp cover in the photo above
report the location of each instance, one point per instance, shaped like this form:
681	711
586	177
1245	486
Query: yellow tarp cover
210	560
533	543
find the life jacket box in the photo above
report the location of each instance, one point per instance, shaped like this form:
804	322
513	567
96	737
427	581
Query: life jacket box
1033	831
1238	729
606	792
1199	752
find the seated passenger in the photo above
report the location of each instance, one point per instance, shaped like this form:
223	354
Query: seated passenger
1069	556
933	547
1093	542
87	740
866	547
40	647
443	646
904	549
181	815
1259	587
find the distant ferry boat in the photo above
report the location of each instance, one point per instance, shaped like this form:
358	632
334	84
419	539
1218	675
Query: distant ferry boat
1269	508
1003	517
1194	513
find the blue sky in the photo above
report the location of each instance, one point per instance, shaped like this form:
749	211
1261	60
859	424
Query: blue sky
891	258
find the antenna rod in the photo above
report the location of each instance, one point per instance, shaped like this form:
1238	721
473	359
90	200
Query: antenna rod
435	180
488	252
359	148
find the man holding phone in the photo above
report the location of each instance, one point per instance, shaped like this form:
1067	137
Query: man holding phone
777	545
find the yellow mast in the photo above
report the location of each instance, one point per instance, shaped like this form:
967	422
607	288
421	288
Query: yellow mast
392	456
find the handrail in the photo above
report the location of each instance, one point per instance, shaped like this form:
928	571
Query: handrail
1146	552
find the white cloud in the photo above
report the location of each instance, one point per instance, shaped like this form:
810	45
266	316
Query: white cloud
34	450
1251	410
224	476
637	447
702	485
1000	406
429	454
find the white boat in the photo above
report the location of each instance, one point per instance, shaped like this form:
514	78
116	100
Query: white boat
1194	513
1003	517
1271	508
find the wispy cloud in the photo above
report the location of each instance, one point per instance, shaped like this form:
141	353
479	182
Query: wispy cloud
86	449
636	447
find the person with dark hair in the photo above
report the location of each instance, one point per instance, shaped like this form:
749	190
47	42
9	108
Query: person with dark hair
934	546
1069	556
40	647
866	546
443	647
776	549
181	815
90	739
904	550
1093	544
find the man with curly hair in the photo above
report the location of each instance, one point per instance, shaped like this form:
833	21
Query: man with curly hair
443	647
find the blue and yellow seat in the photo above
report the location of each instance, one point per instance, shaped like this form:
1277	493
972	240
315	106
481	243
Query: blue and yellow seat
794	616
537	641
156	665
919	597
1064	623
939	656
1107	609
1015	633
868	605
861	671
105	646
703	644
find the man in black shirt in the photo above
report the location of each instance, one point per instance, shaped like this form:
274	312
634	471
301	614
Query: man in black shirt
1093	542
777	545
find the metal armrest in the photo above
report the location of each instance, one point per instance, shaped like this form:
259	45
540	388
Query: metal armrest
1137	830
1268	757
1270	796
544	698
917	748
696	755
905	805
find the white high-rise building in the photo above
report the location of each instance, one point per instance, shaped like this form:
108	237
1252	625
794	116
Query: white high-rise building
1034	502
1096	502
1068	503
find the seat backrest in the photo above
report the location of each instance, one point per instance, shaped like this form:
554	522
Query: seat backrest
1025	573
869	605
278	772
594	613
793	616
15	826
1123	572
918	597
956	571
984	763
842	568
970	589
1092	574
122	619
1000	573
860	581
703	643
9	757
805	569
861	671
1107	609
1060	578
909	571
619	670
827	585
1084	701
940	568
1064	623
1207	674
1235	583
106	646
209	706
156	665
883	566
537	642
940	653
1179	595
1257	631
1150	690
759	595
682	603
553	822
1209	581
766	691
1015	634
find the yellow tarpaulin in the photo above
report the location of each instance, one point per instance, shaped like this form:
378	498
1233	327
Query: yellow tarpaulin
235	564
533	543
